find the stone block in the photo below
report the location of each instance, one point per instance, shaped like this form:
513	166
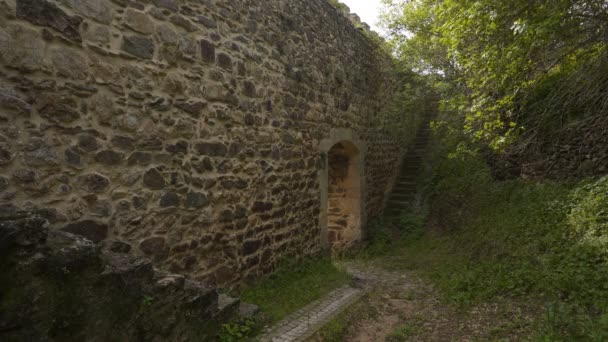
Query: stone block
44	13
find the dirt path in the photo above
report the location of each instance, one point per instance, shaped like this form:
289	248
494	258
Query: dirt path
404	307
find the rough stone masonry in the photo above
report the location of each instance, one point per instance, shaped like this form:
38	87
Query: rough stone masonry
189	129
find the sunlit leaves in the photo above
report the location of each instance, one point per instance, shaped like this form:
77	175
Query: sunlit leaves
495	53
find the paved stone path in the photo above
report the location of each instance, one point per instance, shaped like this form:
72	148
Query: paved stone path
305	322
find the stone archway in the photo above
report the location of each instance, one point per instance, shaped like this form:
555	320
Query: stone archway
342	190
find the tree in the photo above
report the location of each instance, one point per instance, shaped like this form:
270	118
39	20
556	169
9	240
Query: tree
495	60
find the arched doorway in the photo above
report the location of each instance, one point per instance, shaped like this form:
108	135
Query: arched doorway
342	185
343	195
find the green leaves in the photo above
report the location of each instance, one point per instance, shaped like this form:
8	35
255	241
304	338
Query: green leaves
496	53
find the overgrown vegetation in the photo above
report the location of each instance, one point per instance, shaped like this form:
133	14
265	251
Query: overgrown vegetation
241	330
294	285
547	241
512	75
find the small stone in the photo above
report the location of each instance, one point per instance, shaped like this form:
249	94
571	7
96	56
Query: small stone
6	156
22	49
216	149
129	122
89	229
224	61
154	180
60	111
169	199
196	200
153	246
97	34
98	10
10	99
178	147
203	165
109	157
87	143
138	46
249	89
150	143
208	22
25	176
139	158
69	63
248	311
43	13
73	157
94	182
171	5
187	47
260	207
116	246
139	202
226	216
249	119
101	208
193	107
173	281
123	142
183	22
167	35
41	156
250	247
4	183
207	51
139	21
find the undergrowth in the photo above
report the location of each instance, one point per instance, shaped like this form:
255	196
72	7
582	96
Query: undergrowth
294	285
484	238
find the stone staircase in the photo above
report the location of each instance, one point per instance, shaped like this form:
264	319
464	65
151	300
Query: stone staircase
404	191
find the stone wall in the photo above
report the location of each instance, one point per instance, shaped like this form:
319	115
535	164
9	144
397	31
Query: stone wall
189	129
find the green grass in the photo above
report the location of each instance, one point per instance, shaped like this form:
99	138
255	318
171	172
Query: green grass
295	285
402	333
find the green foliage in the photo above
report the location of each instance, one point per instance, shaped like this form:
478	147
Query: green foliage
237	331
589	214
147	301
294	285
494	61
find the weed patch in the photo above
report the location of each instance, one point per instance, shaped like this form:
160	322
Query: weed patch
294	285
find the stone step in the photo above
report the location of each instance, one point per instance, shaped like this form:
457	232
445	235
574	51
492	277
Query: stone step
404	188
401	204
404	197
228	307
412	160
405	180
393	213
409	171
